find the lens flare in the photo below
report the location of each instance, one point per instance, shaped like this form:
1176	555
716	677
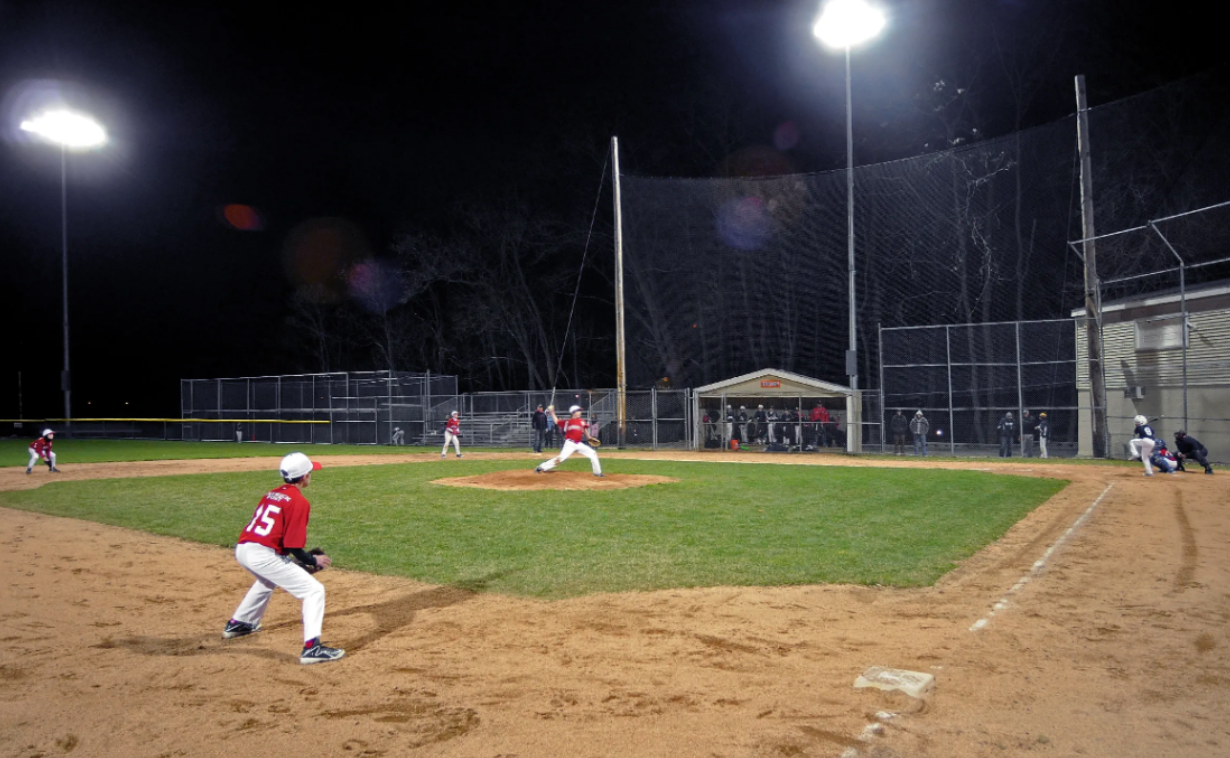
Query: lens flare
744	223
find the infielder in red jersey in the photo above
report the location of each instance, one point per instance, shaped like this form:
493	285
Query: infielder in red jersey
576	430
452	433
41	449
268	548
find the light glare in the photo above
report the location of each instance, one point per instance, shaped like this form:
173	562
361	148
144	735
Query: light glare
846	23
68	129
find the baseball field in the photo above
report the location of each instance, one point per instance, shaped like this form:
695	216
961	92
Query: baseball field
686	604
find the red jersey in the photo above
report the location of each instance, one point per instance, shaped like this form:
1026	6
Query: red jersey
453	425
574	429
280	520
820	414
42	447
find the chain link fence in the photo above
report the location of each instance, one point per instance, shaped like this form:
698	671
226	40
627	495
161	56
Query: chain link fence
966	377
358	408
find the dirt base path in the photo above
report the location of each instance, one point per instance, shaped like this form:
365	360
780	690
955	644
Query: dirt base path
1116	644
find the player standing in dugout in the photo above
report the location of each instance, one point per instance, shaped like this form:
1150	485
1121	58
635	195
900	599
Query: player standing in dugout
576	432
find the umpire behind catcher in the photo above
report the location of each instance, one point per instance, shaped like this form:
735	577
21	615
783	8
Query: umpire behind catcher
1189	447
269	547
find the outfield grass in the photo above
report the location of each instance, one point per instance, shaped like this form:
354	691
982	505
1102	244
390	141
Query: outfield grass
722	524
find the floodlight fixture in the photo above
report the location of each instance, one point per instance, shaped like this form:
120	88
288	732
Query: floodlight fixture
69	130
845	23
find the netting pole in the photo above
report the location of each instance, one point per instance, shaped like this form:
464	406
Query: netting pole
620	374
1093	305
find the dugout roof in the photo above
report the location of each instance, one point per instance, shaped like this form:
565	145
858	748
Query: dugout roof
772	382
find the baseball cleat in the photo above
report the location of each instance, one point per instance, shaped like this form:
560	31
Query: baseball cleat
55	471
239	629
459	455
537	470
442	456
1208	471
602	475
27	471
1148	473
320	653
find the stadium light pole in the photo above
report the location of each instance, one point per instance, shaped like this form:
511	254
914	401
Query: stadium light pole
76	132
843	24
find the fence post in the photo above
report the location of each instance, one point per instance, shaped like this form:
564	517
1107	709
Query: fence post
1020	397
653	406
952	436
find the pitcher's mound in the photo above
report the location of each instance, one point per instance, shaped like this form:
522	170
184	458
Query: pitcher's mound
555	480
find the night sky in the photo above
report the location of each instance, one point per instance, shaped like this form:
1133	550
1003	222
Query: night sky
379	118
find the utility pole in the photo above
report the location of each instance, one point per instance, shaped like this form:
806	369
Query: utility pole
1093	295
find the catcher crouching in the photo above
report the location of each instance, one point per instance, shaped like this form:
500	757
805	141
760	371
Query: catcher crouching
271	548
576	436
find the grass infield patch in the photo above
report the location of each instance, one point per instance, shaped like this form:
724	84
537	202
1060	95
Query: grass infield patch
722	524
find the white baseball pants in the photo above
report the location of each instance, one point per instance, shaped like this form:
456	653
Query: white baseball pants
1142	448
271	571
35	458
571	447
453	438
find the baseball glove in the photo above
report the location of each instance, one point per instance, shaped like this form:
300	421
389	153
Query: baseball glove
593	442
312	569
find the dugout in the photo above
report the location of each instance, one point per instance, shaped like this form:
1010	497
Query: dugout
722	402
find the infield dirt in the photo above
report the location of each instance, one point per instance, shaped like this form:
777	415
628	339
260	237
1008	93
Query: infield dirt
1117	646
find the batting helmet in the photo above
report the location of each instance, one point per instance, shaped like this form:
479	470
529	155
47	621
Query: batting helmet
1140	420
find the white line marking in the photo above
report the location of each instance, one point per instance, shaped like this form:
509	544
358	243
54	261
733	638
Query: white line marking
1040	564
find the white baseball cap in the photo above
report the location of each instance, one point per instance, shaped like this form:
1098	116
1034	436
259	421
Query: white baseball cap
297	465
574	409
47	432
454	413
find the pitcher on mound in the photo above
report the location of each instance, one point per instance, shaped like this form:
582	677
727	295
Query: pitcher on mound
576	431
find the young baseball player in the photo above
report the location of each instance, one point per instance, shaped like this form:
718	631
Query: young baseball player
269	547
452	433
1142	446
576	431
41	448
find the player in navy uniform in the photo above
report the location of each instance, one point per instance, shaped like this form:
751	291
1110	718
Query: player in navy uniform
276	533
1142	446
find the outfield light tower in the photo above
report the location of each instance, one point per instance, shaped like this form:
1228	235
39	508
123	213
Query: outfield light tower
843	24
76	132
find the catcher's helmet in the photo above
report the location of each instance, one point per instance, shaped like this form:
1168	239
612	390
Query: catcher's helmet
1180	434
1140	420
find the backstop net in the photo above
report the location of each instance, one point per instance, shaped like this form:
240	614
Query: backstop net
731	275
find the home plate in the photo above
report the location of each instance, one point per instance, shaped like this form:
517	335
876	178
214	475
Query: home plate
912	683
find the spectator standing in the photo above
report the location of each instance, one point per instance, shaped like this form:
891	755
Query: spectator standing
539	422
919	426
899	425
1028	423
1188	447
1007	434
1042	434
